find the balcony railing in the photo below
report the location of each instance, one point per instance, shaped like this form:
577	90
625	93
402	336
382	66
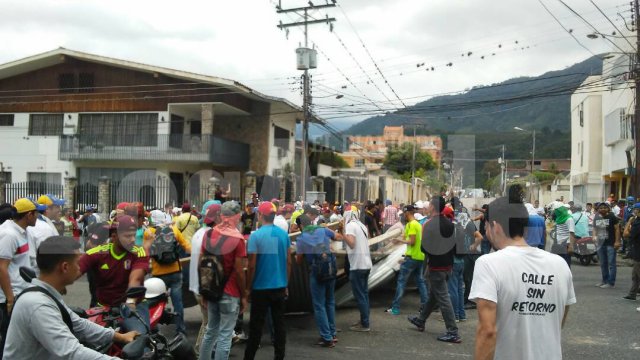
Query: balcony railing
190	148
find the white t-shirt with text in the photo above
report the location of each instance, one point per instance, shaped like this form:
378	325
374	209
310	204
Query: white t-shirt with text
359	256
531	288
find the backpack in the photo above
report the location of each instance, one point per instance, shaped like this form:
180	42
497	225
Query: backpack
323	264
164	249
211	269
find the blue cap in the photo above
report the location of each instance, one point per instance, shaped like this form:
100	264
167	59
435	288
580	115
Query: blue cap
631	198
39	207
636	205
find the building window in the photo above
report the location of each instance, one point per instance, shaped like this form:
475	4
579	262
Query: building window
581	114
45	124
119	129
66	82
6	119
359	163
281	138
6	175
85	82
581	145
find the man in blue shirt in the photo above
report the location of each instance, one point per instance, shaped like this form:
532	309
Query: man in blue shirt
269	251
315	242
536	231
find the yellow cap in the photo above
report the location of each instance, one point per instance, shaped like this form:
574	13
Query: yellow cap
24	205
45	200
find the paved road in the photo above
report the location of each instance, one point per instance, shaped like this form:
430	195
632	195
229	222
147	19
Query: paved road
600	326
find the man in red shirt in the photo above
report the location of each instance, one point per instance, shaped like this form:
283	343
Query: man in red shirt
226	240
118	266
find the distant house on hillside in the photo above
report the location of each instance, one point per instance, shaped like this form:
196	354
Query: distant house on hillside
369	151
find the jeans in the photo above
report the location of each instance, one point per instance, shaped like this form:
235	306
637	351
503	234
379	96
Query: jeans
485	246
131	322
635	279
203	325
261	300
607	256
409	268
4	326
222	319
469	266
456	289
324	306
439	295
174	284
360	287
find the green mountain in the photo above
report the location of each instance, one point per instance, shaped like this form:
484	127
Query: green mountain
490	112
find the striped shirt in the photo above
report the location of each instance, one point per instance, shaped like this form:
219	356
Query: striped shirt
390	216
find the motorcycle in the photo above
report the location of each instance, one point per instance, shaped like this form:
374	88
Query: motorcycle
160	347
585	251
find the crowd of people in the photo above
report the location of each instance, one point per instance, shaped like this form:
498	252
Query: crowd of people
456	265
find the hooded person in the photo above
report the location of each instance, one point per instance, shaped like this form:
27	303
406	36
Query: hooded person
564	232
210	218
226	240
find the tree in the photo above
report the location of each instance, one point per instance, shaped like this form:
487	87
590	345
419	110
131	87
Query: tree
399	159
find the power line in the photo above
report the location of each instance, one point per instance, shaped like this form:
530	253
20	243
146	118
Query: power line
588	23
370	56
614	25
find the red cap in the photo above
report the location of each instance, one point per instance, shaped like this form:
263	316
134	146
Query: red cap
266	208
212	212
122	206
448	213
186	207
126	222
134	209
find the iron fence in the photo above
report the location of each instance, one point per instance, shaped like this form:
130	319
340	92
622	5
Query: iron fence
31	189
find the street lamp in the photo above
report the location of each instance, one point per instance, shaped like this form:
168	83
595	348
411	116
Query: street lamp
533	151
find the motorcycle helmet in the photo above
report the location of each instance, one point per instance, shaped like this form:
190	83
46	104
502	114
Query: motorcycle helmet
155	287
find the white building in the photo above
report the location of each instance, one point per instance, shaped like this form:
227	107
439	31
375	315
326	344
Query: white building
601	130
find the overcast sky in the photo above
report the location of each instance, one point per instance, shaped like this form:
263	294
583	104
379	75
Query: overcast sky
238	39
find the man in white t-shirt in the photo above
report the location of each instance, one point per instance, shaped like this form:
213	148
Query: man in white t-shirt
522	293
356	238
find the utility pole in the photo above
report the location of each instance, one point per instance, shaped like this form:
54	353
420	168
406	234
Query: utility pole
504	172
413	167
306	61
635	178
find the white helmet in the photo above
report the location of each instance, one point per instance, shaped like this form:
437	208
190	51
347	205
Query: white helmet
155	287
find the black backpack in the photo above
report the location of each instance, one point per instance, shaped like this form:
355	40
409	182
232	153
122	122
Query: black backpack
323	265
211	269
164	249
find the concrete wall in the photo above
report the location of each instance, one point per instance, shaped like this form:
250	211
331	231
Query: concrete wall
251	130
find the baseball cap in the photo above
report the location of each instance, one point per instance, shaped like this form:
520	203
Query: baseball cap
419	204
211	213
126	222
266	208
636	205
49	200
122	206
157	218
418	216
24	205
231	208
409	208
98	233
186	207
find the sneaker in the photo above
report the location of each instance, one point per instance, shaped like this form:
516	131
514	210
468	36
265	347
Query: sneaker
599	284
417	322
463	319
335	339
392	311
629	297
359	328
606	286
324	343
450	338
